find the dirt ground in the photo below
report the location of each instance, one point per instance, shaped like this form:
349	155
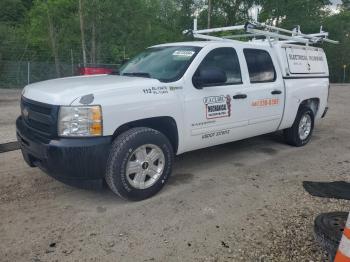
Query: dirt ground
9	110
242	201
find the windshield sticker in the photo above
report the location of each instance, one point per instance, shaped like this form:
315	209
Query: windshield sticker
216	134
266	102
159	90
217	106
184	53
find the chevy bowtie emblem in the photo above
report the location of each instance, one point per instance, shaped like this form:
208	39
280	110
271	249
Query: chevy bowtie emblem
25	113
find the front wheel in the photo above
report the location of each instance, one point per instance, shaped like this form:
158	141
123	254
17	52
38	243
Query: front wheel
301	131
139	163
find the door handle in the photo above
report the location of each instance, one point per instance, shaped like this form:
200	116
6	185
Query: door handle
240	96
276	92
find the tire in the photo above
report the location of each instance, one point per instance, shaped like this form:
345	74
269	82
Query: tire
328	228
293	136
133	158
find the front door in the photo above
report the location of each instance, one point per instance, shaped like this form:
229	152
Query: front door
217	114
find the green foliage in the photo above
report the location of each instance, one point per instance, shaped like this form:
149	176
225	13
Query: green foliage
310	14
115	30
339	55
226	12
346	5
12	11
12	14
290	13
65	25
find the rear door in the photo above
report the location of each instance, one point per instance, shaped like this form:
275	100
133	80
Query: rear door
266	91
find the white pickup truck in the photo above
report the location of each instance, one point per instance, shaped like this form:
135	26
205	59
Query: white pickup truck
172	98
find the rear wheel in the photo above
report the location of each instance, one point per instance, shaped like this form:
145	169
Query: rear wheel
139	164
301	131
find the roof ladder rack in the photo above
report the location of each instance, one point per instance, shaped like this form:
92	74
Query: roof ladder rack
254	29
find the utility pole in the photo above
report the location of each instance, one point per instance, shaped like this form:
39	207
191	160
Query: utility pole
53	40
72	60
209	12
93	32
28	72
81	18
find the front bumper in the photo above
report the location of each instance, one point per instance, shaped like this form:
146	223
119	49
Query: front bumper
70	160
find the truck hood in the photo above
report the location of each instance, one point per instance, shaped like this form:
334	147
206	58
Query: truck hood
64	91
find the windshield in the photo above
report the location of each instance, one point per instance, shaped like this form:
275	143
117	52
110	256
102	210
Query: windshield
167	64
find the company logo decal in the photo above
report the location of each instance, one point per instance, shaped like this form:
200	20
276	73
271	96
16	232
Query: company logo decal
266	102
302	62
305	58
217	106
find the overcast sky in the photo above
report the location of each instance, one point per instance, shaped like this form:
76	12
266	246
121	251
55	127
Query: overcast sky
334	6
336	1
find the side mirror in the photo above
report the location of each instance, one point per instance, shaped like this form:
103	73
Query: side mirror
209	77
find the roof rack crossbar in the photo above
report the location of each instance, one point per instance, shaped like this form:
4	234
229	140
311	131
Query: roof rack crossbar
209	37
254	29
222	29
241	36
278	36
270	27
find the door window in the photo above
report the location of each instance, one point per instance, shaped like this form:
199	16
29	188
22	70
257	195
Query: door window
226	60
260	66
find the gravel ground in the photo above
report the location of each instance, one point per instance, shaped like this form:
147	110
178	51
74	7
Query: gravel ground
9	105
241	201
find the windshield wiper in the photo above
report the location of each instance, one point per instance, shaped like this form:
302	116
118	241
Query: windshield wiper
138	74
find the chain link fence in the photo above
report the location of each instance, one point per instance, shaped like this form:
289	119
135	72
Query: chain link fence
17	74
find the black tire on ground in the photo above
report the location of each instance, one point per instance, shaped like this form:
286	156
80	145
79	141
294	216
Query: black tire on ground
292	136
329	229
122	150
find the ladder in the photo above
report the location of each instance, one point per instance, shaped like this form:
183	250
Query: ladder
254	29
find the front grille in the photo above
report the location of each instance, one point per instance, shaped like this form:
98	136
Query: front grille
40	117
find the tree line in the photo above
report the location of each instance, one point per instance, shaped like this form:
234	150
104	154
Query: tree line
109	31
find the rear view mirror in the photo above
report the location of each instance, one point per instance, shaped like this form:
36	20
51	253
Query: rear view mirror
209	77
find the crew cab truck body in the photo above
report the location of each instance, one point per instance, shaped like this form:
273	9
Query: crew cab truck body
171	99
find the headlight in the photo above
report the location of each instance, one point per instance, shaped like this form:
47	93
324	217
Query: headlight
80	121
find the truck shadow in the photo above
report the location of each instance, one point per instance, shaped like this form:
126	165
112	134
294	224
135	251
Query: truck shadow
180	178
237	153
269	144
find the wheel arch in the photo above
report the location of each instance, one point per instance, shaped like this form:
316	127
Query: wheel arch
164	124
312	103
293	106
